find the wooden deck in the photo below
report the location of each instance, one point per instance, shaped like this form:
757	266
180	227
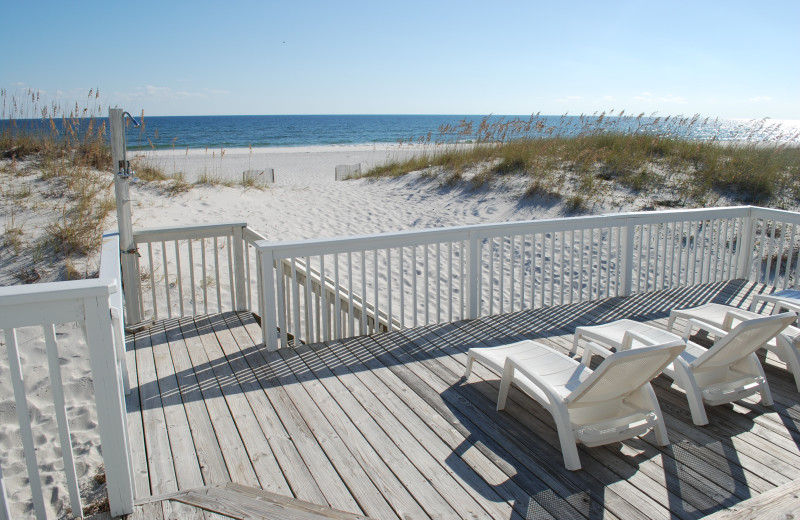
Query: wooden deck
385	427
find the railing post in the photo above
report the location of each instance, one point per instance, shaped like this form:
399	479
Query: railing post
240	291
269	324
111	420
746	244
127	245
627	258
473	268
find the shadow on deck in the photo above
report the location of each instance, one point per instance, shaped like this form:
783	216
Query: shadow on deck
385	426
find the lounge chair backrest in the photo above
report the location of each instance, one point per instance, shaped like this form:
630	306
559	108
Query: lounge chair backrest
744	339
623	373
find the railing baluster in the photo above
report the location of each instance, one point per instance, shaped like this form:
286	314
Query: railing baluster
233	289
323	296
217	278
389	288
727	259
582	265
350	307
438	282
152	279
283	307
403	288
309	303
462	274
571	286
249	286
24	419
501	285
797	269
552	269
426	252
60	409
337	304
414	300
180	276
204	281
591	264
295	300
363	292
166	278
788	269
375	289
449	281
562	268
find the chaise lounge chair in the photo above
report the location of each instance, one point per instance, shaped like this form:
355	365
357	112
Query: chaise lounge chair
611	403
786	345
726	372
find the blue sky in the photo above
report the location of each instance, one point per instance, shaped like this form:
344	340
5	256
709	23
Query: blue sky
728	59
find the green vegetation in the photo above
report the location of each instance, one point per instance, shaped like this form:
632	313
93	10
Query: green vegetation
580	165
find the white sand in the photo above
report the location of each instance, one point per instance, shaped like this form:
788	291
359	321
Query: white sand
307	202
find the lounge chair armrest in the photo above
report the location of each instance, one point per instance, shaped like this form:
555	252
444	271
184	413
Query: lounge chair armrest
785	305
731	315
553	397
701	325
630	335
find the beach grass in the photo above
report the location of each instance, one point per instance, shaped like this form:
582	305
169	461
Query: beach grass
635	153
58	164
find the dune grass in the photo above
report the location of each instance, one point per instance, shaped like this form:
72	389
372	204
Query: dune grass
57	162
636	153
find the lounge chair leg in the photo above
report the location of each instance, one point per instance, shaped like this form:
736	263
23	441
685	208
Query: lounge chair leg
660	429
693	393
470	359
505	384
569	448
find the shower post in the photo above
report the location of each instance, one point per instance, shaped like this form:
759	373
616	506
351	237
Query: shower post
129	256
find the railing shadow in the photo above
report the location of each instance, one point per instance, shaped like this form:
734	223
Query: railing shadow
700	470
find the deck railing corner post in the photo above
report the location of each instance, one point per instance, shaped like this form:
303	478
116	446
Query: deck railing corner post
111	418
269	323
240	289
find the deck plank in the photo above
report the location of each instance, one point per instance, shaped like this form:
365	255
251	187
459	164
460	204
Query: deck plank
320	468
412	464
156	437
255	442
386	425
209	453
382	397
237	460
298	476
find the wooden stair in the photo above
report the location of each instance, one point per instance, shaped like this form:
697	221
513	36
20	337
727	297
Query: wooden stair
247	503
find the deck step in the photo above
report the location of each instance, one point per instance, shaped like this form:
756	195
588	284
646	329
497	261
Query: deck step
247	503
781	502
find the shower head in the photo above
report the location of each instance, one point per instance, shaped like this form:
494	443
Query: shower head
133	119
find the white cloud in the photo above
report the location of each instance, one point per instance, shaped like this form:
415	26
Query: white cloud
760	99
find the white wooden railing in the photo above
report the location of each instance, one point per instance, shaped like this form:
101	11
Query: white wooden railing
192	270
96	306
432	276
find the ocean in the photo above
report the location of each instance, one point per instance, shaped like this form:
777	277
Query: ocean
181	132
309	130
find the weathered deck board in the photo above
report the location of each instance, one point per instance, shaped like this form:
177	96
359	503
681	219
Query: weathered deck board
386	426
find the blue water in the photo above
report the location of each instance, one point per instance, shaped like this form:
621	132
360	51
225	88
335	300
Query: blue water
182	132
260	131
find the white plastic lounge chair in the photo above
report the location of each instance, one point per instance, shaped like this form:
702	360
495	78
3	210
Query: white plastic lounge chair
619	335
612	403
786	345
787	299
